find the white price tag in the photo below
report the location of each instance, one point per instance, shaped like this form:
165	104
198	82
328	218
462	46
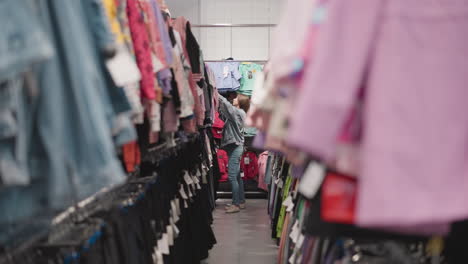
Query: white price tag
163	245
289	204
170	235
242	174
123	68
175	215
177	202
176	230
246	160
312	180
187	178
182	193
190	191
300	241
280	183
295	232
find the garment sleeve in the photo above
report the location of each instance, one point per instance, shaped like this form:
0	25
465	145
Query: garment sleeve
333	80
236	73
226	109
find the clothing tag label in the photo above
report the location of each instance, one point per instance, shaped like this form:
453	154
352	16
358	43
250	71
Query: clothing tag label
242	174
196	180
182	193
312	180
187	178
292	258
190	191
300	241
246	161
170	235
280	183
176	230
159	257
123	68
289	204
163	245
225	71
277	181
177	202
295	232
175	216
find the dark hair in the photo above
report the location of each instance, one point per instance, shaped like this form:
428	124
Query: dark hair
244	102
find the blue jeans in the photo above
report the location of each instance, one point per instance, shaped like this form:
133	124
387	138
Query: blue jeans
235	154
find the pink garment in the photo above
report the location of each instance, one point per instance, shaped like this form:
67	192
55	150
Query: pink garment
262	166
411	57
180	25
157	45
291	30
141	45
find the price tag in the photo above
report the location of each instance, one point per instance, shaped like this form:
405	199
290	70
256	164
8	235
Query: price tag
187	178
280	183
300	241
163	244
289	204
190	191
170	234
295	232
242	174
292	258
176	230
182	193
312	180
177	202
246	160
123	68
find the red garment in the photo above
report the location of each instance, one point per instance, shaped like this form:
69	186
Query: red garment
223	165
141	45
131	156
249	165
218	126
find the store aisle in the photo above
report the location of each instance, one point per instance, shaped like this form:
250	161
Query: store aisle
244	237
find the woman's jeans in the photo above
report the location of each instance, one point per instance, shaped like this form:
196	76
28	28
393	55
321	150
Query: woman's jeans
235	154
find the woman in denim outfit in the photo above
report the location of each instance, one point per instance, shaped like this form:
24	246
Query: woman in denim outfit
233	143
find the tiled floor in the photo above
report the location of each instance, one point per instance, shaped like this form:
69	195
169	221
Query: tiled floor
244	237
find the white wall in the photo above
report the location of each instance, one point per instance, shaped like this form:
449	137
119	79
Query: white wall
239	43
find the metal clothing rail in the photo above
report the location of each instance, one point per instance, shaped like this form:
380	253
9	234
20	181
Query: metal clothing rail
227	25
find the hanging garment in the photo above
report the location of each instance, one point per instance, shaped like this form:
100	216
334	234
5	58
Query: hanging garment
218	127
227	75
141	45
223	163
249	165
413	123
250	72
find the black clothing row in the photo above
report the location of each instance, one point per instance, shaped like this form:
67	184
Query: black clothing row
163	218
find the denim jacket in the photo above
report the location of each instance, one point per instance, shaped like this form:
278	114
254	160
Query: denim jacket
234	123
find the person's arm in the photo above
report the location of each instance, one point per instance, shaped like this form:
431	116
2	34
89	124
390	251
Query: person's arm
226	109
